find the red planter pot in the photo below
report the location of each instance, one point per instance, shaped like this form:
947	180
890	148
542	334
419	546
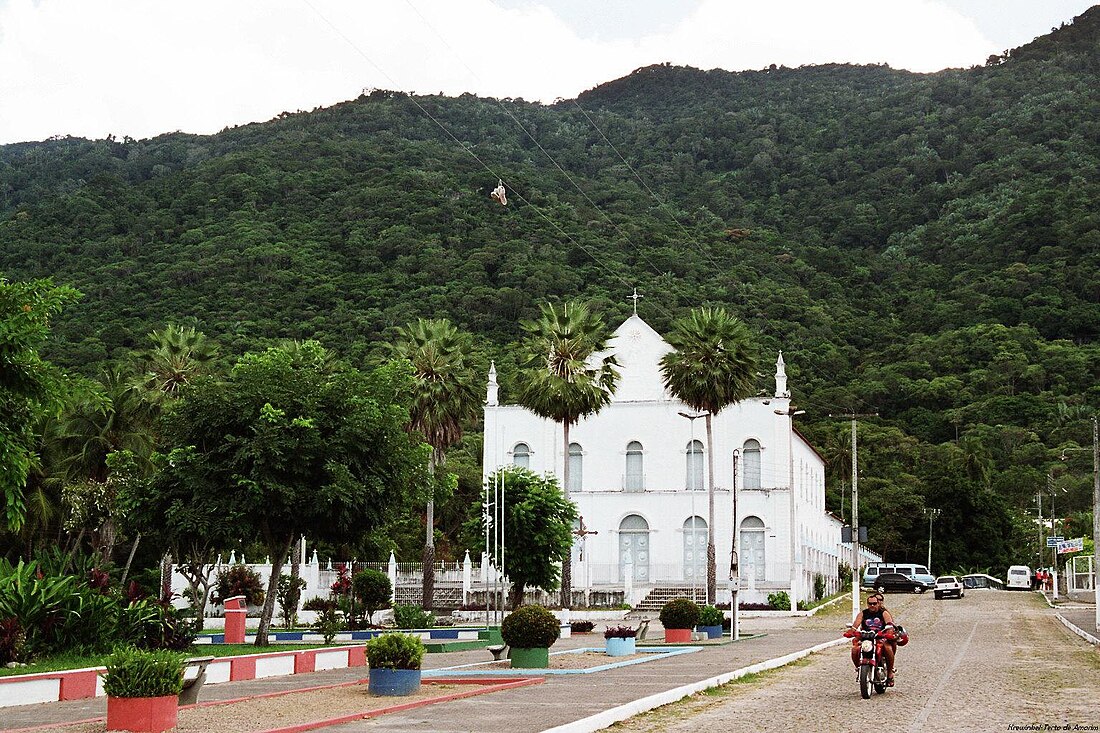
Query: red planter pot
142	714
677	636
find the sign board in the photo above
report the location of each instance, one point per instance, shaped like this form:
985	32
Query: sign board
1053	541
1075	545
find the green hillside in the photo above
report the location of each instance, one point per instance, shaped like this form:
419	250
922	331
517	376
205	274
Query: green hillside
923	246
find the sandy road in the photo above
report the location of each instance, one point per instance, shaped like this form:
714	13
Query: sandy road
987	662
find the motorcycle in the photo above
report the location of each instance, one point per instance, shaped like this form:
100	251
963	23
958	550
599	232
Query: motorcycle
872	661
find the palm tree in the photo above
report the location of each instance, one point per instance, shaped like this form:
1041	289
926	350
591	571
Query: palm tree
177	357
712	367
567	375
444	398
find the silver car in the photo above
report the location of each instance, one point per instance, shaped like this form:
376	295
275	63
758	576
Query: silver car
948	585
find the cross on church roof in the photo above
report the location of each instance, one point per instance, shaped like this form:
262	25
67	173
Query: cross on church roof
635	297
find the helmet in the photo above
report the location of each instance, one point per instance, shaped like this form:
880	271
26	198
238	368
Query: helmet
903	637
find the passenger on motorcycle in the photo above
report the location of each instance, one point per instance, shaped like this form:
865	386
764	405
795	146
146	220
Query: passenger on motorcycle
876	618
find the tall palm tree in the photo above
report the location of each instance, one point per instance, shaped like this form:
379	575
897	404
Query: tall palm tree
713	366
567	375
444	397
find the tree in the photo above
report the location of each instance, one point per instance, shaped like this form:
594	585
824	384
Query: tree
178	355
444	396
29	386
538	529
567	374
303	445
712	366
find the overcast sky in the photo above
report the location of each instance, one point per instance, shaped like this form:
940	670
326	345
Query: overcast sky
143	67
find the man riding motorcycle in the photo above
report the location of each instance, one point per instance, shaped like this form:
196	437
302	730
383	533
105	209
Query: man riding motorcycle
876	618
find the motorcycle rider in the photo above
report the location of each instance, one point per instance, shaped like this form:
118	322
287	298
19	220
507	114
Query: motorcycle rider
876	618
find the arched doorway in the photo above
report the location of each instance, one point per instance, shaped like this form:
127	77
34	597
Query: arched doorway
752	548
634	547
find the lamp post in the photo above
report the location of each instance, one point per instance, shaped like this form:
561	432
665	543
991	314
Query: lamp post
691	490
932	514
790	412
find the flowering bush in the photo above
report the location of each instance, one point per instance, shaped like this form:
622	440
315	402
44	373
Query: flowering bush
581	627
620	632
239	580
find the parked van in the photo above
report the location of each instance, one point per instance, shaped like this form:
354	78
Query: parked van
1019	578
916	572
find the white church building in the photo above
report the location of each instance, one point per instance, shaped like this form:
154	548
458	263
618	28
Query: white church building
637	477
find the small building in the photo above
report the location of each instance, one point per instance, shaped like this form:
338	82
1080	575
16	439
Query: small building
638	478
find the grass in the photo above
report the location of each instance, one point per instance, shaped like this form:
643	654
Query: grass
59	662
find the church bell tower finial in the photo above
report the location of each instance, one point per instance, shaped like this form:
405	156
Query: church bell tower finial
781	377
491	395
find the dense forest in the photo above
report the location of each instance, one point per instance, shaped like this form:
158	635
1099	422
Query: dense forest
925	247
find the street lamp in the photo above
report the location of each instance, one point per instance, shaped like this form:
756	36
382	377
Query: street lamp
691	490
790	412
932	514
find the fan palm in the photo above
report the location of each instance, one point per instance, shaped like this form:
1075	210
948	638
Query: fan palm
567	375
444	398
712	367
178	355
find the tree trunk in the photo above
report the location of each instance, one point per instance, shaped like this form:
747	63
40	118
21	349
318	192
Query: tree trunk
290	613
567	561
130	559
277	558
712	569
427	595
515	597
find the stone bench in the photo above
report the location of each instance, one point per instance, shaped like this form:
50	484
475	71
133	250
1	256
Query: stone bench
499	651
191	685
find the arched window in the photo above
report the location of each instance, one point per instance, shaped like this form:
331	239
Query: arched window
521	455
634	547
635	478
576	467
695	466
752	548
752	464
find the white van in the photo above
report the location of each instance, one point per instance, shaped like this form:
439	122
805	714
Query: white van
1019	578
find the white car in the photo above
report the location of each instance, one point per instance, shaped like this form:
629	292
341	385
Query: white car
948	585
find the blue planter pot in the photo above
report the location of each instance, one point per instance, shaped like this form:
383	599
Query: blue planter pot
712	632
394	681
618	647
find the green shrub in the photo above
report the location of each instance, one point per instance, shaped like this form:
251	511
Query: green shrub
530	627
373	589
780	601
395	651
710	616
141	673
680	613
287	595
412	617
328	622
240	580
819	586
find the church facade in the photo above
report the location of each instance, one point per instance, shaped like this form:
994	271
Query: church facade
638	478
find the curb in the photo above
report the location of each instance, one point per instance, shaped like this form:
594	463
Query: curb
1078	630
602	720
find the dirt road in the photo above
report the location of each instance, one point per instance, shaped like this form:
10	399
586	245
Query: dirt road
992	661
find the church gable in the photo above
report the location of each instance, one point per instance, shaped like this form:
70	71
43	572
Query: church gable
638	349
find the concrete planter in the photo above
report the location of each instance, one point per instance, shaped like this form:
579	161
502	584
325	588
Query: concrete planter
712	632
394	681
619	647
142	714
535	658
677	636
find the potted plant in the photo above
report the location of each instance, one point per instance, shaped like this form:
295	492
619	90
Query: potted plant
394	661
710	622
143	689
581	627
620	640
679	617
530	631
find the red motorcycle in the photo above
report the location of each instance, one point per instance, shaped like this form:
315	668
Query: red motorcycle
872	662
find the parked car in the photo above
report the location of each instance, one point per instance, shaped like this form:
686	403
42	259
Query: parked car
917	572
896	582
948	585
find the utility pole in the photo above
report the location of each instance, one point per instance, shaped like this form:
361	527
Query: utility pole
855	511
1096	518
932	514
735	571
